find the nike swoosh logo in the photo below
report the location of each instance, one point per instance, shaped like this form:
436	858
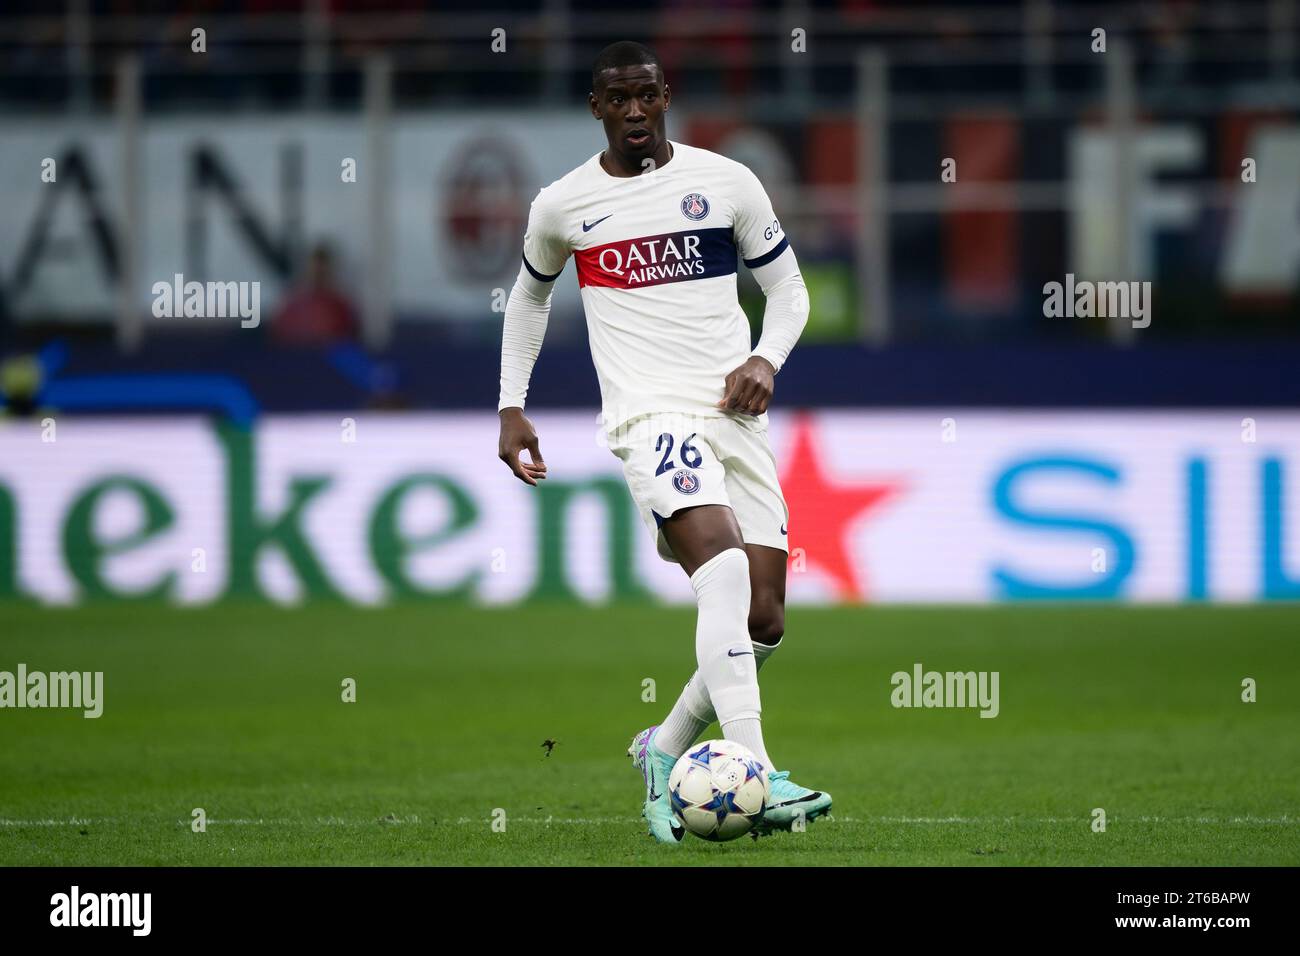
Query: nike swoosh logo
653	796
588	228
741	654
791	803
783	529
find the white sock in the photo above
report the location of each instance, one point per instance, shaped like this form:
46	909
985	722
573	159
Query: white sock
728	666
686	721
693	711
749	732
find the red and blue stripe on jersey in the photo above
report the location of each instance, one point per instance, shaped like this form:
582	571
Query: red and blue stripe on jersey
655	260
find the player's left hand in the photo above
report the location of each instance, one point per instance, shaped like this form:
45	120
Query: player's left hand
749	387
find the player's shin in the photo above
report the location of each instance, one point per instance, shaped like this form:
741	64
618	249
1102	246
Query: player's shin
724	651
693	711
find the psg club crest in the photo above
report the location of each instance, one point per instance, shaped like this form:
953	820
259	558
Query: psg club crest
695	207
685	481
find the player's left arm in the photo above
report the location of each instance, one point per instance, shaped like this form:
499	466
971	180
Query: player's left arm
766	251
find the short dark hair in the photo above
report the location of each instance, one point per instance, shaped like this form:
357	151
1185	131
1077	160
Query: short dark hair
620	54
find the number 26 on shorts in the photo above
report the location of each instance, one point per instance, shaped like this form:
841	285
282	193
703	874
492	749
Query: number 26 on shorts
691	456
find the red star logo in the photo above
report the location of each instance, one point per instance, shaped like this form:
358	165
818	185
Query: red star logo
825	510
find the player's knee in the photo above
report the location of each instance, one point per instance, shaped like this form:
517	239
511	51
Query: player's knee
723	576
766	621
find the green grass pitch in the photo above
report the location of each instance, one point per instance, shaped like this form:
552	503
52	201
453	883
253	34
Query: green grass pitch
238	710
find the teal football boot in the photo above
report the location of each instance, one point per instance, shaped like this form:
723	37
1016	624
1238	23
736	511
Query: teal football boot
789	803
655	766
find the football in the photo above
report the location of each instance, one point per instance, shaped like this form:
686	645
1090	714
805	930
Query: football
718	790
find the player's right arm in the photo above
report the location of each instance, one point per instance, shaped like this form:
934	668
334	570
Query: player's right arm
527	311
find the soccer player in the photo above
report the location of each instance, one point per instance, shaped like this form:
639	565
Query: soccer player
655	227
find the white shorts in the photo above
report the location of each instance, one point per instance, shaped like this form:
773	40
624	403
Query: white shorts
674	461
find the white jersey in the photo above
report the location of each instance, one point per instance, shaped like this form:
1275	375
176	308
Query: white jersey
656	259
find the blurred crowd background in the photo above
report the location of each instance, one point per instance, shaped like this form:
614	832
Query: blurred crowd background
1117	155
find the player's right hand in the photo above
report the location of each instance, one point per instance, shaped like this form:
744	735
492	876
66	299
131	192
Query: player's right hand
517	434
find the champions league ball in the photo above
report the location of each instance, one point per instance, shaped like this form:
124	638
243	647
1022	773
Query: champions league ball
718	790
